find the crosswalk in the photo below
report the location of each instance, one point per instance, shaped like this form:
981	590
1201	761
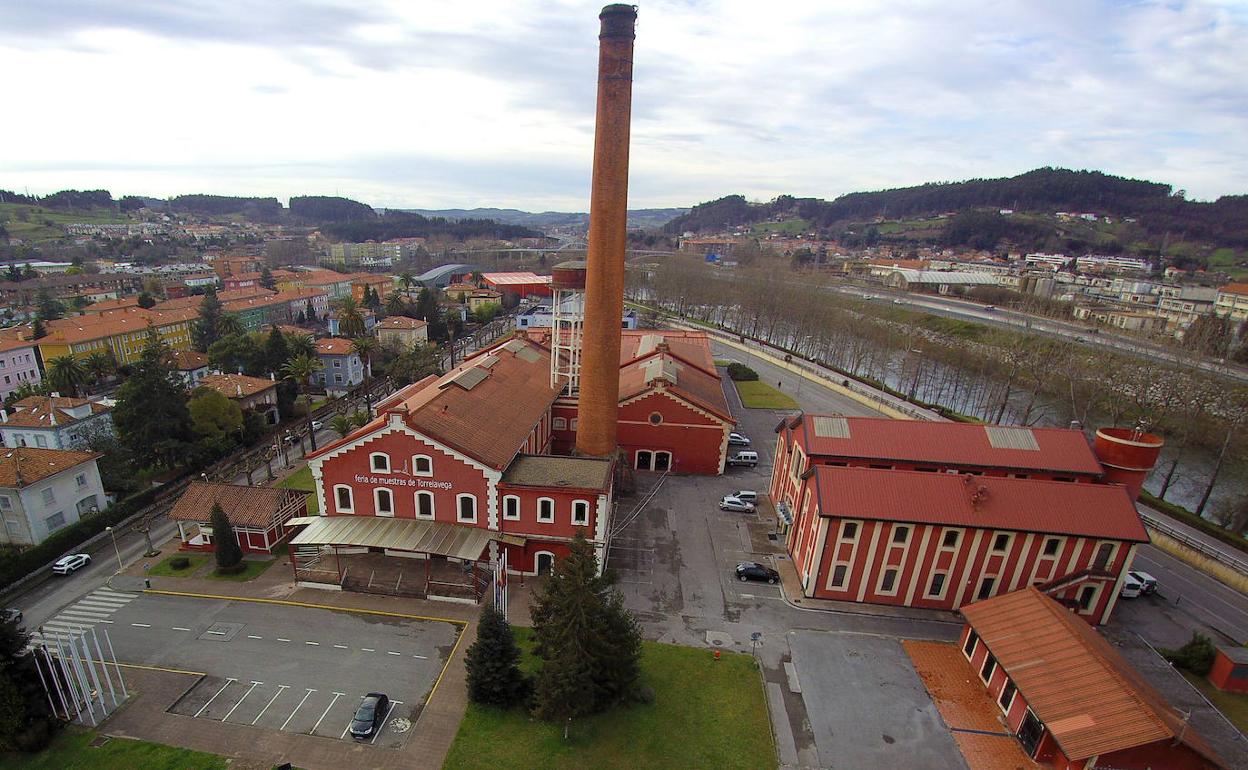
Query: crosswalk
94	608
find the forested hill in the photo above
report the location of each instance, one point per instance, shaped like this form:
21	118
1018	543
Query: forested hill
1158	208
403	225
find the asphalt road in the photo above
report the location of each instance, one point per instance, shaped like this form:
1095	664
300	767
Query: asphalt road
811	396
293	669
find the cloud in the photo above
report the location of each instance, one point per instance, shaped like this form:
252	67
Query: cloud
447	103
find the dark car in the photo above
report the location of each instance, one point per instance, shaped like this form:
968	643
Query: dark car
370	715
11	615
751	570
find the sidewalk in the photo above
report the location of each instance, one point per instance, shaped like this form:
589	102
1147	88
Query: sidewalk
791	590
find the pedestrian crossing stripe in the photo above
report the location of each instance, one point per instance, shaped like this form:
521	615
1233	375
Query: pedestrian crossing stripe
93	608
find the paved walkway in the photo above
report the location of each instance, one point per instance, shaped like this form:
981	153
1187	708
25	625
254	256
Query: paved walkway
974	720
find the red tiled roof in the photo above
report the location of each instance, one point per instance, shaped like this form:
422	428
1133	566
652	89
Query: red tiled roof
35	411
485	408
689	382
334	346
236	385
1088	696
112	322
1024	505
230	295
693	347
1234	288
922	441
244	506
189	360
22	466
401	322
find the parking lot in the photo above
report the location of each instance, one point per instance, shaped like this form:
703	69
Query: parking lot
291	669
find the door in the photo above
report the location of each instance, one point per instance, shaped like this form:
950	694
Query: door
643	459
662	461
545	563
1030	732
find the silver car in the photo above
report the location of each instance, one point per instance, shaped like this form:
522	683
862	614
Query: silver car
731	503
71	563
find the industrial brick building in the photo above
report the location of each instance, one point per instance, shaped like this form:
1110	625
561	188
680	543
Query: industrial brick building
1069	697
939	515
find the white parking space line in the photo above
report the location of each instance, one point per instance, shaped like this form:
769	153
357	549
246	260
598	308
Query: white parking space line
340	646
181	628
253	636
296	711
281	688
422	657
367	649
280	639
314	644
217	633
392	652
337	695
390	710
348	727
240	700
228	682
141	625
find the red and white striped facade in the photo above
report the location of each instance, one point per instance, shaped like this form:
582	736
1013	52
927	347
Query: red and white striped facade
880	531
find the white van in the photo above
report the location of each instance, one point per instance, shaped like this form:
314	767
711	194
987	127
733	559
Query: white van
746	457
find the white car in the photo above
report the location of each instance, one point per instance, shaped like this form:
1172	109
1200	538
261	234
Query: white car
730	503
737	439
71	563
317	425
1138	584
748	495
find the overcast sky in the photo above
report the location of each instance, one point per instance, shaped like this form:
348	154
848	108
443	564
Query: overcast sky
433	104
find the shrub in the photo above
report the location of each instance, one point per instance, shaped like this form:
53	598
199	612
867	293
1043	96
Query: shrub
179	562
1196	656
232	569
644	694
741	372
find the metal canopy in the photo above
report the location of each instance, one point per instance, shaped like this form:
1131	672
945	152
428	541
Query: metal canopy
397	534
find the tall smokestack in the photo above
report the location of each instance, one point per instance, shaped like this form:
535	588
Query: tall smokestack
608	230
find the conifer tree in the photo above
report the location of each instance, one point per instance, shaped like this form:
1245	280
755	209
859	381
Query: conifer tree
204	331
494	676
228	553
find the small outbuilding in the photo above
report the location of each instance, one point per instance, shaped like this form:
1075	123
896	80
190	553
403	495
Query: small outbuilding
259	515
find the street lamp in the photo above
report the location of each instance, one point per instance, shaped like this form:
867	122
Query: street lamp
116	550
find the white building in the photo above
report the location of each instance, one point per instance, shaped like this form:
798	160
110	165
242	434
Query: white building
55	422
43	490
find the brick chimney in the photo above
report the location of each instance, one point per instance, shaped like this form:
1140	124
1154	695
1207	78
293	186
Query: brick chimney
608	229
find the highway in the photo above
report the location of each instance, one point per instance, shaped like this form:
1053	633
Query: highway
972	311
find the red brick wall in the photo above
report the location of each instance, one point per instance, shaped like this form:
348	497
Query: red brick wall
695	440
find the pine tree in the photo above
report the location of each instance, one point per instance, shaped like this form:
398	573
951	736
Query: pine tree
494	676
309	313
26	721
37	330
205	329
267	280
151	416
276	351
225	542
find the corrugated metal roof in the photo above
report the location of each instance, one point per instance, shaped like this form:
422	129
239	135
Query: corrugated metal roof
1090	698
1003	437
952	443
831	427
396	534
558	471
992	502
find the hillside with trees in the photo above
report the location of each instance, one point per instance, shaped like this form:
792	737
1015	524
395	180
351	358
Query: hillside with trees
399	225
260	209
325	208
1163	215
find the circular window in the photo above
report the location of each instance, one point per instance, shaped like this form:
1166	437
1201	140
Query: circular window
655	418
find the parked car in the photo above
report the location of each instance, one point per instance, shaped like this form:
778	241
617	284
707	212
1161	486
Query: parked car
370	715
1138	584
746	457
737	439
752	570
899	302
748	495
730	503
317	425
71	563
990	307
11	615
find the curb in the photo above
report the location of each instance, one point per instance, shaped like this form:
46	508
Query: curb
305	605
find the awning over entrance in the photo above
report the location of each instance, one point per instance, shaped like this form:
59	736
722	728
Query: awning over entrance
396	534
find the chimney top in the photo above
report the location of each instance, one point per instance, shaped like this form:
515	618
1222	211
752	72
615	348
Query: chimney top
618	21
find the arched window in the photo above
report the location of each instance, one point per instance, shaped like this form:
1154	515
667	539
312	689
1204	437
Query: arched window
343	499
580	513
383	500
560	423
379	462
422	465
424	505
545	510
511	507
466	506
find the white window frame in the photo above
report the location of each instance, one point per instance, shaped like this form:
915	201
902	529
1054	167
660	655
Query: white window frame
433	509
1006	708
879	584
48	495
508	516
547	519
979	587
1009	544
957	541
372	462
832	584
581	521
842	537
1113	554
1061	546
338	501
559	423
81	478
892	535
416	471
377	502
1097	588
459	508
944	587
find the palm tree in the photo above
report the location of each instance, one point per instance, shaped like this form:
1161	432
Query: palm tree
477	278
300	345
67	374
364	347
407	279
395	303
342	425
350	320
229	324
301	369
100	364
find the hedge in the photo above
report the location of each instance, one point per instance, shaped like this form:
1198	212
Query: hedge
1192	520
15	566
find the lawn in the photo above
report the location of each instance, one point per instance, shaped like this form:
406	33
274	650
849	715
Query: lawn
759	395
302	480
787	227
164	570
254	570
72	751
706	713
1234	706
722	362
